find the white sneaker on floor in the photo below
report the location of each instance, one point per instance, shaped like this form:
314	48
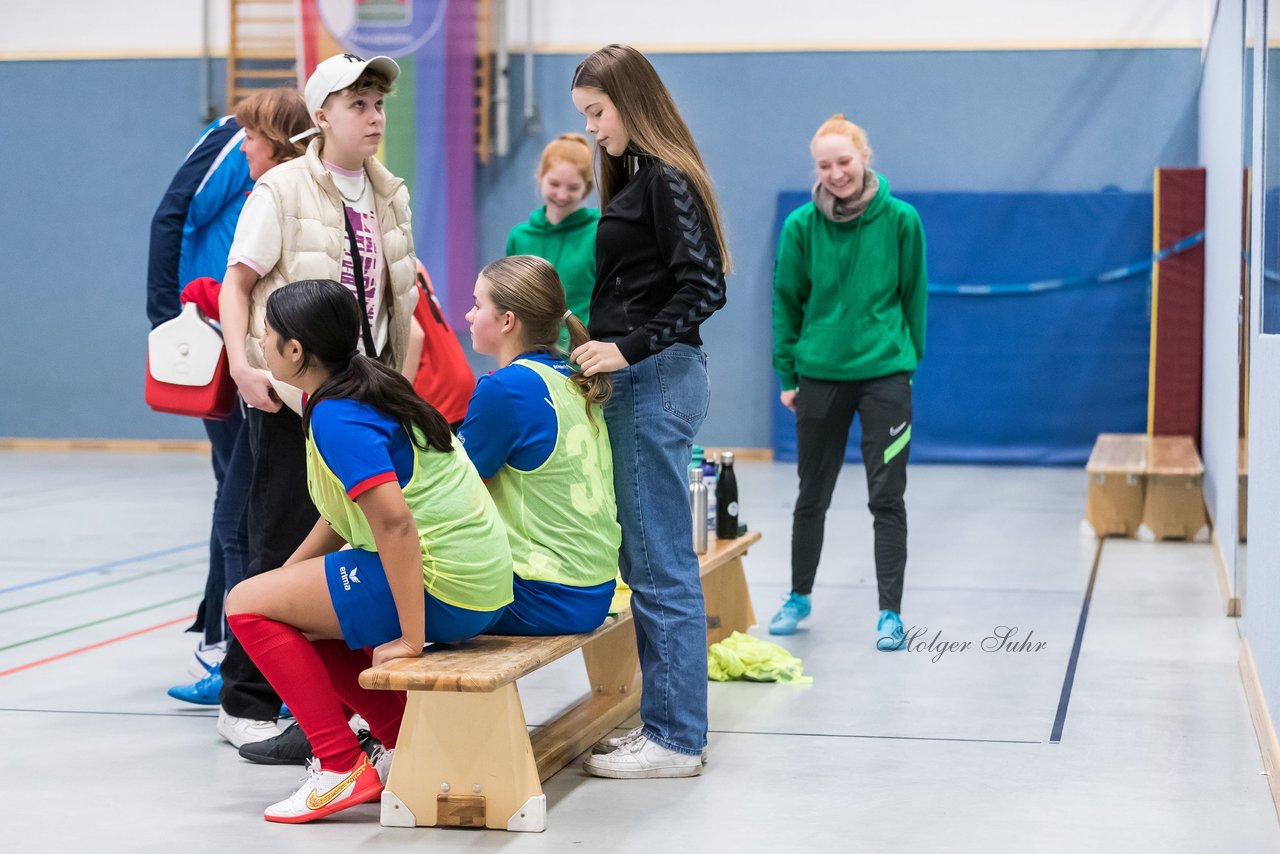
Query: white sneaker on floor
642	759
608	745
242	731
205	658
327	792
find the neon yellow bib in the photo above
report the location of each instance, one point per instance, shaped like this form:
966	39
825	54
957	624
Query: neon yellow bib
562	520
466	561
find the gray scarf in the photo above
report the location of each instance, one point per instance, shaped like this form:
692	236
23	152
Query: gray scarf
846	210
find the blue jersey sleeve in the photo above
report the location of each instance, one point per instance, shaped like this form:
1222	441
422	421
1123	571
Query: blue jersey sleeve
360	445
491	431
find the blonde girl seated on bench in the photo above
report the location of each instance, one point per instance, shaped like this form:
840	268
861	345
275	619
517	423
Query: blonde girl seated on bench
429	560
536	432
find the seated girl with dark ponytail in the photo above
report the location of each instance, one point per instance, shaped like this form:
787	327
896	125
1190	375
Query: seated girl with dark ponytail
536	433
429	560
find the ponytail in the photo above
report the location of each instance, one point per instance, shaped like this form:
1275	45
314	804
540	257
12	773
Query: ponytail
369	381
597	388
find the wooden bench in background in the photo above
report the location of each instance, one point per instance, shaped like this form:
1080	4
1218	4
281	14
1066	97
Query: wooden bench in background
1174	504
465	756
1151	487
1117	467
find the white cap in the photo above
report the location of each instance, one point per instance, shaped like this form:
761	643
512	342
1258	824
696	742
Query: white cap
339	72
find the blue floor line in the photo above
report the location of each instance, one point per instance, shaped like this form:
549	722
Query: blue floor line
104	567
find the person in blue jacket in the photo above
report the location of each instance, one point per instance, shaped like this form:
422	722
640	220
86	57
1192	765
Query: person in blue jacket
190	237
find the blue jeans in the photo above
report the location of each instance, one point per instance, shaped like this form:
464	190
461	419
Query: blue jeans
657	406
228	539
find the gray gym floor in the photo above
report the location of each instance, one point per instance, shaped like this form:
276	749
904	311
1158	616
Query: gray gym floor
104	563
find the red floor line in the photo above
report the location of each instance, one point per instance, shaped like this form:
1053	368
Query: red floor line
91	646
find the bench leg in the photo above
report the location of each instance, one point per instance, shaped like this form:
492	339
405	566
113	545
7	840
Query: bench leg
728	601
613	667
613	670
464	759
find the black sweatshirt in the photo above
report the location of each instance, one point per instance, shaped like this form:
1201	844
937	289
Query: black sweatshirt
658	268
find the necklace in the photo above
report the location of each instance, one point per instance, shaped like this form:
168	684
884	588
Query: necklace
359	195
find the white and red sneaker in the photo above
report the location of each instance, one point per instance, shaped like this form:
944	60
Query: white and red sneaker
327	792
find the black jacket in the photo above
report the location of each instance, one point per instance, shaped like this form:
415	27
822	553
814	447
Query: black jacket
658	269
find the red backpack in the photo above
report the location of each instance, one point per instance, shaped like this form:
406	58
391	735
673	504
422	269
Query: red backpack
443	378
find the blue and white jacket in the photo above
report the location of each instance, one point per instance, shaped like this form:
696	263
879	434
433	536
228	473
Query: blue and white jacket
192	229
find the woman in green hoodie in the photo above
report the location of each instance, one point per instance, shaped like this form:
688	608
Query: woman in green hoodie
848	323
562	231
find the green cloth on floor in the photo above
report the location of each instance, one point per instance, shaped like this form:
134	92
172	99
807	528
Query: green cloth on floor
745	657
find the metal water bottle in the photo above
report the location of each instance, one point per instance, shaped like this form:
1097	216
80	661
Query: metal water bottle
727	499
698	509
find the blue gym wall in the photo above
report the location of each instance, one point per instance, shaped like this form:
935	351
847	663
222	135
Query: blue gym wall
99	140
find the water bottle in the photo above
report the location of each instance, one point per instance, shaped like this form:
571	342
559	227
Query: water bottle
727	499
709	472
698	509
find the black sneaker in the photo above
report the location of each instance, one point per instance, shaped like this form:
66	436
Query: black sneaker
370	745
290	747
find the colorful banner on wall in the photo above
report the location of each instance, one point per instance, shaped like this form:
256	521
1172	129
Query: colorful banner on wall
429	117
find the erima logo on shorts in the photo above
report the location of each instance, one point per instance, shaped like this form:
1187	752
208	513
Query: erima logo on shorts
348	578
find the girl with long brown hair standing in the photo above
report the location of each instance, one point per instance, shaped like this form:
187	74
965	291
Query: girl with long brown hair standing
660	264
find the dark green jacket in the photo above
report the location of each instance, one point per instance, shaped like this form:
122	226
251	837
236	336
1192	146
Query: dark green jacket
849	298
570	246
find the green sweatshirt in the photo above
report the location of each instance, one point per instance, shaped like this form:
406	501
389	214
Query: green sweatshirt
849	298
570	246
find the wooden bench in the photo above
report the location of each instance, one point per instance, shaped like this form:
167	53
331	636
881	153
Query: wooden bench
465	756
1117	473
1173	507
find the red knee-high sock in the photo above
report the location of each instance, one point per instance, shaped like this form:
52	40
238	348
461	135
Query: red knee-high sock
295	670
384	710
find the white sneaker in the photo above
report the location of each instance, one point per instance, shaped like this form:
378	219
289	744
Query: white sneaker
327	792
381	760
608	745
242	731
642	759
205	658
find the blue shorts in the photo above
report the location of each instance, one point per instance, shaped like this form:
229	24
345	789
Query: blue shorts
367	611
547	608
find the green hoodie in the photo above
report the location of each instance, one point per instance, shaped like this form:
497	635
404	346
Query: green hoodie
570	246
849	298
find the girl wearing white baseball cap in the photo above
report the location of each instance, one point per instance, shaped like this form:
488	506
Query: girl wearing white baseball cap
334	213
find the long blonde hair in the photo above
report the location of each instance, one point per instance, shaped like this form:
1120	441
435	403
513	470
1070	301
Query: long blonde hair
653	123
529	287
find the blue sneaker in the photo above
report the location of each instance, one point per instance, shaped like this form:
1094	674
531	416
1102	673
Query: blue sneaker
795	609
284	711
889	632
203	693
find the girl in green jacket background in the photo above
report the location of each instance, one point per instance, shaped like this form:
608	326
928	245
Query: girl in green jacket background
848	321
562	231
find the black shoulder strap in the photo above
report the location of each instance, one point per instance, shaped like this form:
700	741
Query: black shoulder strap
357	267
